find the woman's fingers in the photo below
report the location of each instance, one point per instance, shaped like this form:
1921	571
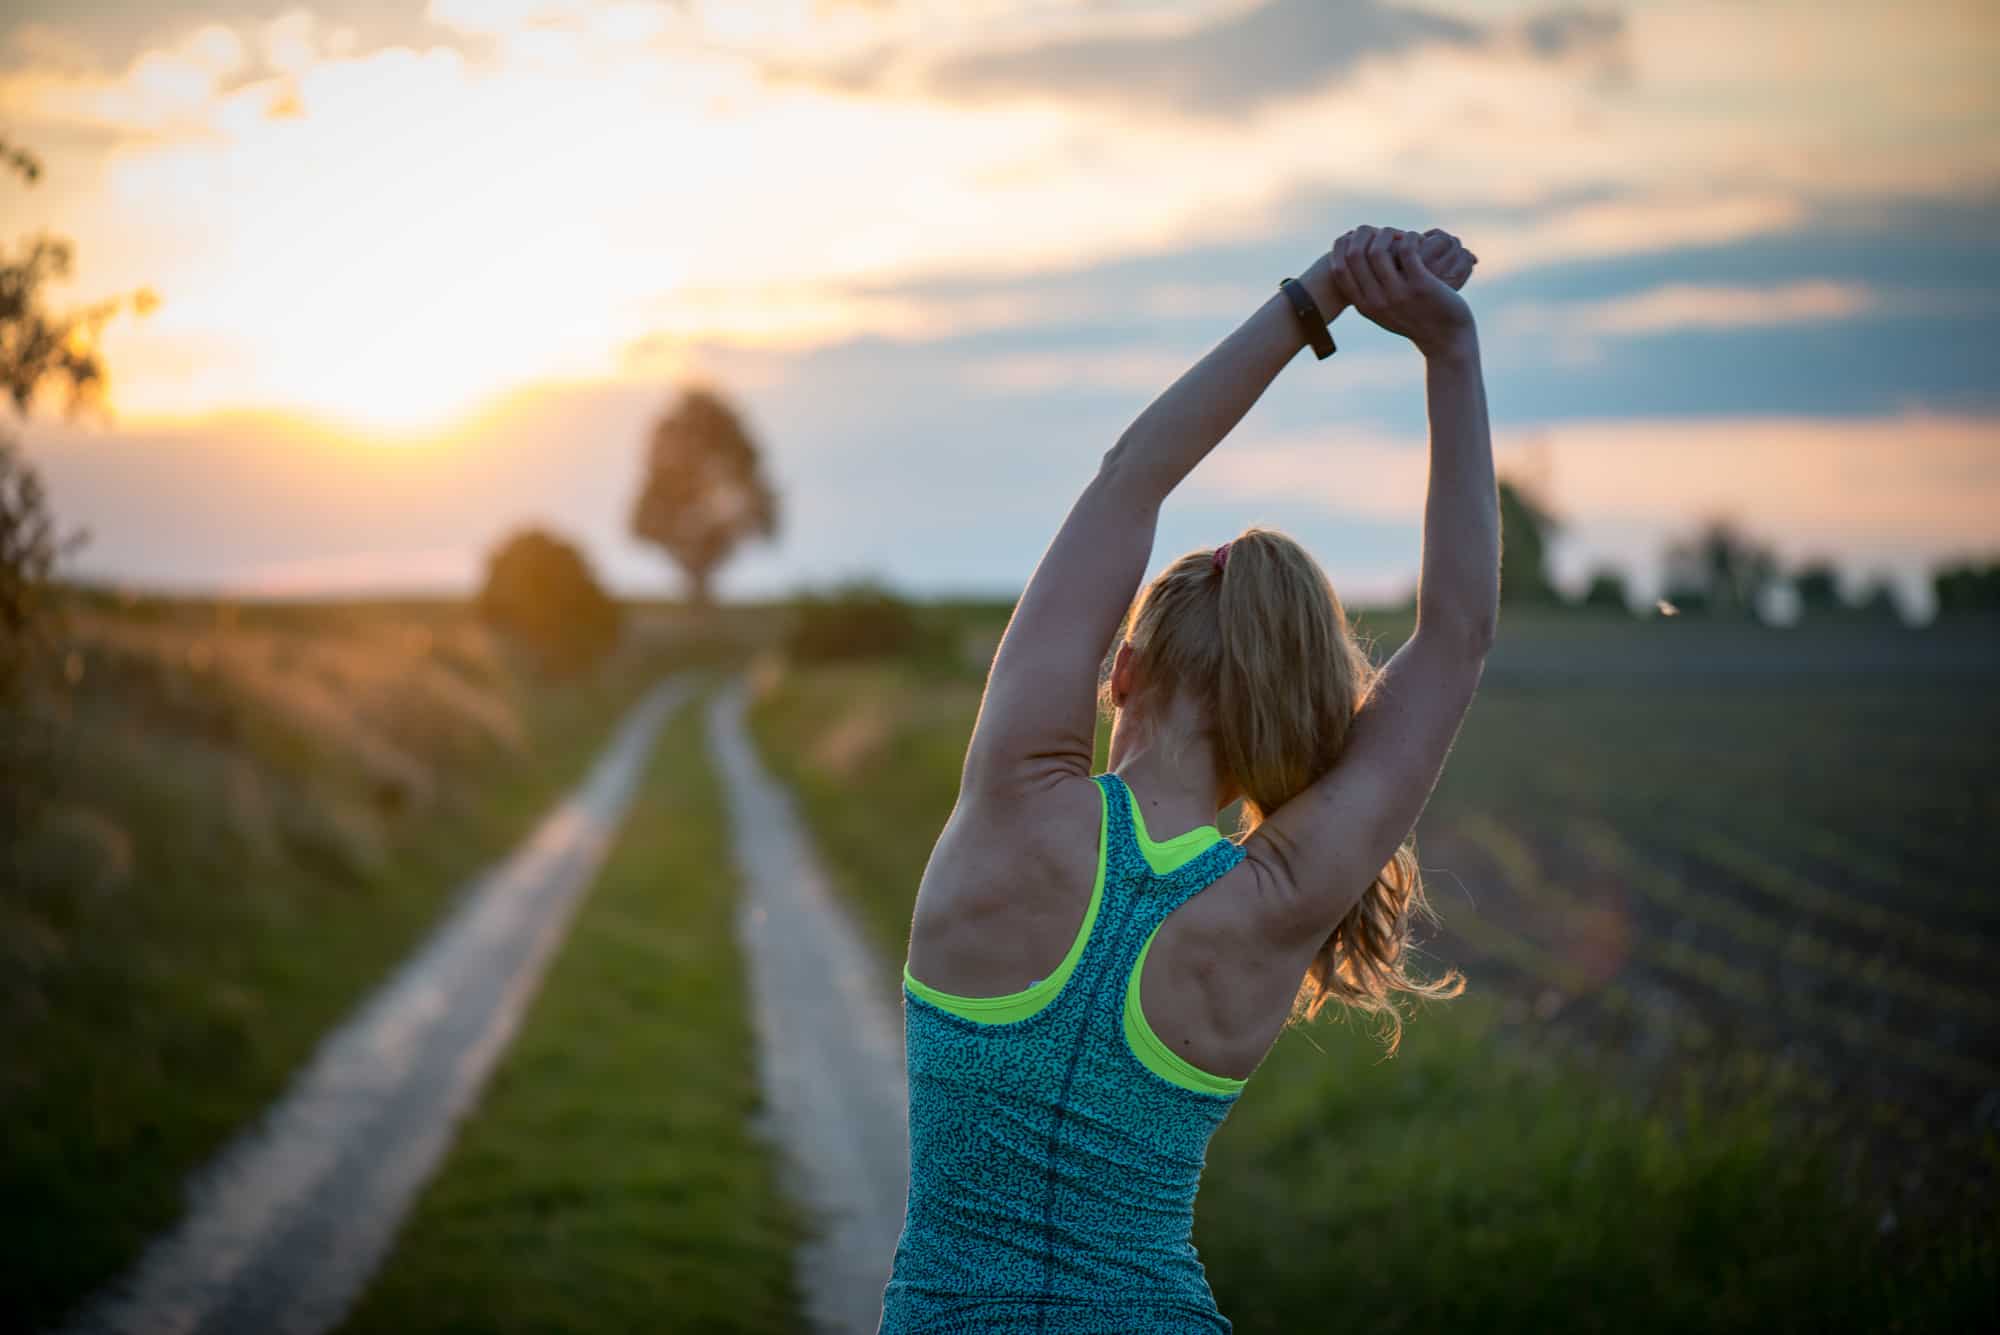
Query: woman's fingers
1436	249
1342	283
1382	262
1410	261
1362	272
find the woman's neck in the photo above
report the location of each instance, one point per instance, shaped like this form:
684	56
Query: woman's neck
1171	770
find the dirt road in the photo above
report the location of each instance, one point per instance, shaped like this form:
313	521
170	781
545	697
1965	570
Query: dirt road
830	1039
285	1227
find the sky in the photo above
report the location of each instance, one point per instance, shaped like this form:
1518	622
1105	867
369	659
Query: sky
427	272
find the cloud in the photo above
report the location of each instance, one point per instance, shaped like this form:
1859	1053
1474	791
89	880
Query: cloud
1676	306
1225	66
1237	63
395	233
106	36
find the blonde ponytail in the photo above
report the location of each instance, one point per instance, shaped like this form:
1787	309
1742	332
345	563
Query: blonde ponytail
1257	634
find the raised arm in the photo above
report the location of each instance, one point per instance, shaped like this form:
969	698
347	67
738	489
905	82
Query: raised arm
1323	848
1038	718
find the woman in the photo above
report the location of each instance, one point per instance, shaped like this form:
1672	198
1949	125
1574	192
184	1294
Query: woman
1058	1125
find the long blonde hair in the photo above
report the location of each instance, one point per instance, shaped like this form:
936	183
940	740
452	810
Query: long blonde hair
1261	642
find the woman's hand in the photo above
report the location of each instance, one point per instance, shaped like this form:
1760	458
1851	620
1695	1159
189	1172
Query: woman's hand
1406	282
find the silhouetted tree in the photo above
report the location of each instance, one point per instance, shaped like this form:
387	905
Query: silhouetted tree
37	346
705	490
1720	569
1878	599
1526	526
1967	587
29	548
1818	587
1606	592
540	592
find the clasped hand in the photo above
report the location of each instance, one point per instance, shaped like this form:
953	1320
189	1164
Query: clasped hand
1407	282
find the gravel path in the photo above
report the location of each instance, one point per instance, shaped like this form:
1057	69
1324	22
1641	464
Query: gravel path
830	1042
285	1227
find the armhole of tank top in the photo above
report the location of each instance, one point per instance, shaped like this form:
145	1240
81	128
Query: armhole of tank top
1153	1053
1016	1006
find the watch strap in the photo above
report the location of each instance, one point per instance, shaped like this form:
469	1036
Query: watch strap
1309	315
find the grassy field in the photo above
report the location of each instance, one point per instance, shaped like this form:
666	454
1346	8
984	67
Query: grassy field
224	823
608	1180
1723	895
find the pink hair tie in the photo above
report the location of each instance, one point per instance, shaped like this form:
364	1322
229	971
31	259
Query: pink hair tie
1221	557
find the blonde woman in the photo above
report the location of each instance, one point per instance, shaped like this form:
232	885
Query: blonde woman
1094	971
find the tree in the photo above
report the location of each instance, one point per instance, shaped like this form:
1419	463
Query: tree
705	491
1526	526
37	346
1720	569
1877	598
1606	592
1967	588
541	593
1818	587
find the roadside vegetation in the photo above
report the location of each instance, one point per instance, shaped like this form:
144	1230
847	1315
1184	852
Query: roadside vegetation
224	822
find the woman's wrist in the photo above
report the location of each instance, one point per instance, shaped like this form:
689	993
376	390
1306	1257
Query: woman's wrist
1318	280
1459	347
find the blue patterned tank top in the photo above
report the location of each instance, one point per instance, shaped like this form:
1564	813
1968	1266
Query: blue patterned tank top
1056	1143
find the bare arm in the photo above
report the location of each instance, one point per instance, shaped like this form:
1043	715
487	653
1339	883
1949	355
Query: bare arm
1321	850
1038	718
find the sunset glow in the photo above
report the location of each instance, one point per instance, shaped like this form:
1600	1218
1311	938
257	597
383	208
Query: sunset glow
396	224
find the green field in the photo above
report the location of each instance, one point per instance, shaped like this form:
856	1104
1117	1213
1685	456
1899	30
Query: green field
1726	1060
609	1180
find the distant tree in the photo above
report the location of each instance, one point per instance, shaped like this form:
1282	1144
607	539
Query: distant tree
1606	592
540	592
1967	587
1878	599
1721	569
1526	528
1818	587
705	491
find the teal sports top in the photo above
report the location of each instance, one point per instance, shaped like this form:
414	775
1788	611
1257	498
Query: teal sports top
1056	1144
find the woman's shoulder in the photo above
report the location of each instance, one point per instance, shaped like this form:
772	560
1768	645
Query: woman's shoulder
1055	810
1005	888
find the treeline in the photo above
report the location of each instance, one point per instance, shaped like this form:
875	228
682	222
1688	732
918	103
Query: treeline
1720	570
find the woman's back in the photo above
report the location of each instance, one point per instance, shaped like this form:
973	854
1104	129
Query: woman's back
1056	1144
1057	1137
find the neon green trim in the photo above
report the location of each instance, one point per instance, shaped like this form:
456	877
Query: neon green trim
1155	1055
1020	1005
1176	852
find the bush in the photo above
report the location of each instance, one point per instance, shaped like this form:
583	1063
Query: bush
1606	593
857	621
29	549
541	594
1968	587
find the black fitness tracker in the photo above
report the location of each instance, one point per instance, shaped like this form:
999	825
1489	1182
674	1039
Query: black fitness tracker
1307	310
